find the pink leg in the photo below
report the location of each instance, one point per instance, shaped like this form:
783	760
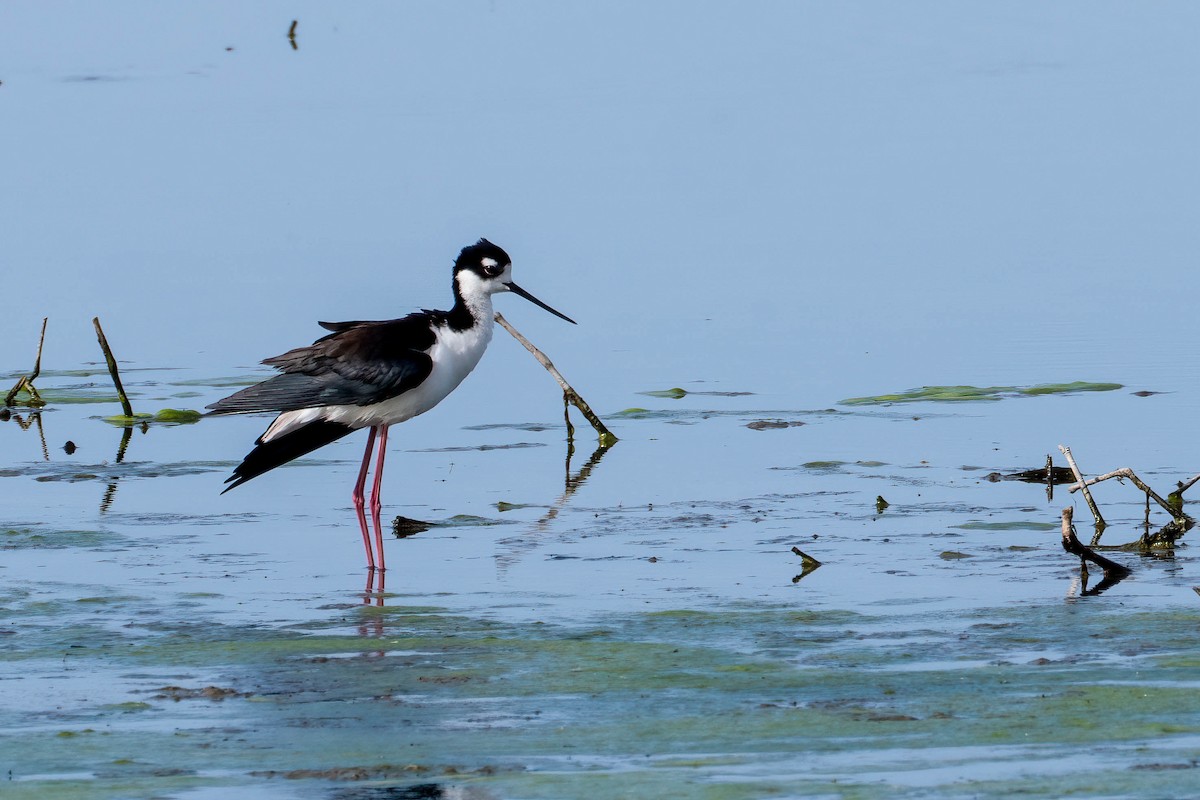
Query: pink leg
359	498
376	505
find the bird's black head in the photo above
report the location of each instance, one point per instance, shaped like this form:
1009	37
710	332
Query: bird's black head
482	269
484	259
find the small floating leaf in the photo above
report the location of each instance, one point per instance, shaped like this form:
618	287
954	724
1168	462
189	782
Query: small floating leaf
168	416
674	393
178	416
823	465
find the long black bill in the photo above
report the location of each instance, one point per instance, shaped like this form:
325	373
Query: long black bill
512	287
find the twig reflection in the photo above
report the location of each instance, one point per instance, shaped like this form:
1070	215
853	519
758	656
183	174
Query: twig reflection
110	491
517	546
35	420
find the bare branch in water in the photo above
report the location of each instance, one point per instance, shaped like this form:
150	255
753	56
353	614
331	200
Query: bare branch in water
569	394
1113	571
1125	472
112	368
1100	523
25	382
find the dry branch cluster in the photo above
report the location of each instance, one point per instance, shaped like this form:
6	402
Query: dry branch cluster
1162	539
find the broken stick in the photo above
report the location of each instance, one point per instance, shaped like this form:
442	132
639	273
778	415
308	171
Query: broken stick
112	368
607	439
26	381
1100	523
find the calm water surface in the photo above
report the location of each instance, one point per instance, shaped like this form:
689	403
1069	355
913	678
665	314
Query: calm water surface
801	202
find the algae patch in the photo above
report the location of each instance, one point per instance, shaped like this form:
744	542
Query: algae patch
954	394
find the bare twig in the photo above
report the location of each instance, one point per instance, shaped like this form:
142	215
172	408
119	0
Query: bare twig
1185	485
25	382
607	439
37	364
1127	473
1066	451
112	368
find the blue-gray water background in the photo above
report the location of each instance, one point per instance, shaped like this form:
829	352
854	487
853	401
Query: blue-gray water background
807	201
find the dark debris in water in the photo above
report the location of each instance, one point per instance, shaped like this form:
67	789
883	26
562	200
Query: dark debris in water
377	772
403	527
416	791
772	424
177	693
1058	475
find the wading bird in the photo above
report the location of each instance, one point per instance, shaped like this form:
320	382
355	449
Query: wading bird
374	374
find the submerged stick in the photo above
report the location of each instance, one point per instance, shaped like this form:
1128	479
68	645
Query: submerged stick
1071	544
607	439
1066	451
112	368
26	381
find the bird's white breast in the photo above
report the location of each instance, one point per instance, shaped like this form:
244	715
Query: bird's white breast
454	354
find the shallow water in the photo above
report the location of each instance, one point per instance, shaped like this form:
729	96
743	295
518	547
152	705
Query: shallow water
775	209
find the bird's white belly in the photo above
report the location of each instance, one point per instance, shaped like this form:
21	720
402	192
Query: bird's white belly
454	355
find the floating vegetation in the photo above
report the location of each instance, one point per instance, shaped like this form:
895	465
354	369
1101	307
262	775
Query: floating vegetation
674	393
167	416
503	506
79	395
953	394
43	539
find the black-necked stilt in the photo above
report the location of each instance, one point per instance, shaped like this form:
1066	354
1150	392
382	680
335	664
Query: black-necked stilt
374	374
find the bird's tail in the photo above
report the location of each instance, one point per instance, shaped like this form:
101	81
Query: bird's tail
267	456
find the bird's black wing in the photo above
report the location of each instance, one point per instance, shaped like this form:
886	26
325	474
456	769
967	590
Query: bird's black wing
360	363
